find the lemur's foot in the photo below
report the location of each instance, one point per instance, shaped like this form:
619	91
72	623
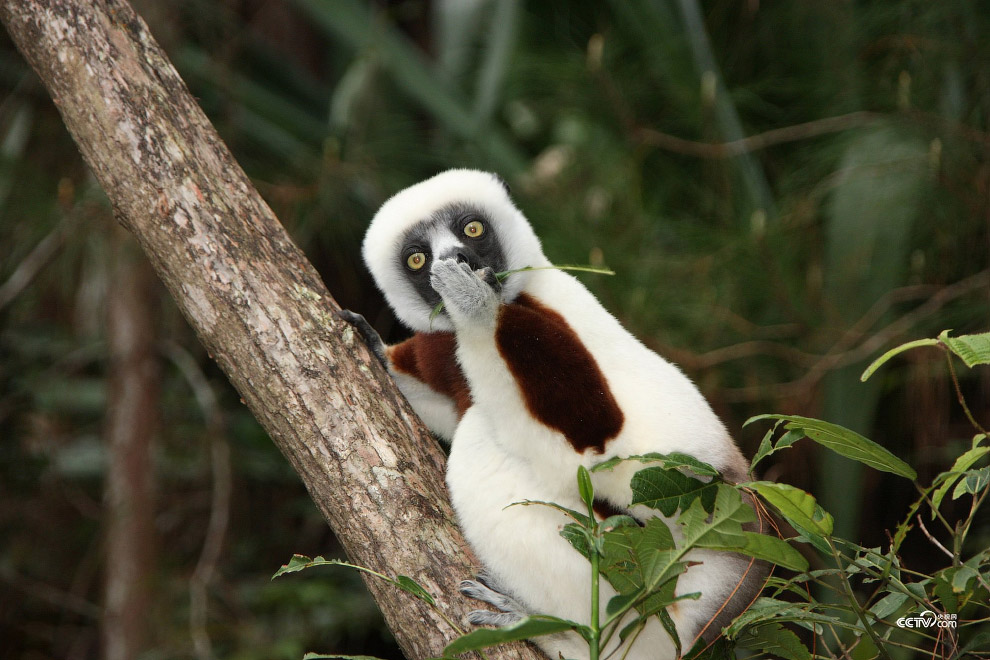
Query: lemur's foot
468	295
371	336
509	610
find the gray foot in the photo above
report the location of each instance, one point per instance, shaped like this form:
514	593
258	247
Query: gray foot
509	610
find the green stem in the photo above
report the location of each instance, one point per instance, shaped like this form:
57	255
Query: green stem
394	582
938	515
896	583
960	539
960	397
596	631
860	613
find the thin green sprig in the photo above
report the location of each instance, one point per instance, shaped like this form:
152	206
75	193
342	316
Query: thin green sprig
505	273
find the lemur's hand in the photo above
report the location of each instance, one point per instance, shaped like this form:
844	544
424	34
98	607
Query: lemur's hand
371	336
468	295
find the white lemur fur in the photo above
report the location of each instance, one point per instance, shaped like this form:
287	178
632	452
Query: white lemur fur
544	380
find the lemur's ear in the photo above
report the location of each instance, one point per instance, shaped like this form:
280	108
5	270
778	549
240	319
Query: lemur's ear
505	185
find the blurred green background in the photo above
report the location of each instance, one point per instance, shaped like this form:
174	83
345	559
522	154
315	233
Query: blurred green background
783	189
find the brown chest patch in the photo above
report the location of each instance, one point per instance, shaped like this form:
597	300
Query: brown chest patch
431	357
559	378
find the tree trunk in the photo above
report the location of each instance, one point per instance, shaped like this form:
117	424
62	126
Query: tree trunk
257	305
132	421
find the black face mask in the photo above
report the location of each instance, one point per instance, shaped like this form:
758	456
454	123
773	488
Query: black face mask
478	250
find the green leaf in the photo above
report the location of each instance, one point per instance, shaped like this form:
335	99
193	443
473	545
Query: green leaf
499	47
579	537
960	466
979	642
621	602
778	641
296	564
670	628
767	448
670	490
620	520
869	558
641	560
719	649
961	577
409	585
301	562
888	604
580	518
771	610
723	529
609	464
586	489
972	349
846	443
435	312
572	267
972	483
654	605
673	460
897	350
533	626
354	24
773	549
799	509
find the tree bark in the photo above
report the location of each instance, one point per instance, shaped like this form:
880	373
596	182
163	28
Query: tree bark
257	305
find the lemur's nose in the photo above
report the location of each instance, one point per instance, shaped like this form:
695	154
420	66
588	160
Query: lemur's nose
462	255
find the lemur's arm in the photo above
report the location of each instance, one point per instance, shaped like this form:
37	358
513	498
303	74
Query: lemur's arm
425	369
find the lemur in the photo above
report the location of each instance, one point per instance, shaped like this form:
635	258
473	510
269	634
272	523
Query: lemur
529	377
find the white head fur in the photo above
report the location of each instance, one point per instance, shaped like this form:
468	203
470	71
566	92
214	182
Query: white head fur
382	249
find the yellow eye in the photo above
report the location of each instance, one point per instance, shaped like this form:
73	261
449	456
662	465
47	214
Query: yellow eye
474	229
416	260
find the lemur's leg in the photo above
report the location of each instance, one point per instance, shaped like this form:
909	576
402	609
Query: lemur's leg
484	590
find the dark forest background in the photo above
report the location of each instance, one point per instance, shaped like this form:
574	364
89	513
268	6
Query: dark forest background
784	189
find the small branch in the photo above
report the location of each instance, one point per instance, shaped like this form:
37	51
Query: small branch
755	348
718	150
932	538
938	514
52	595
860	613
216	529
761	347
839	356
960	397
33	263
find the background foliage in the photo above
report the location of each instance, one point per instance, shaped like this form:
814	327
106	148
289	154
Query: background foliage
784	190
